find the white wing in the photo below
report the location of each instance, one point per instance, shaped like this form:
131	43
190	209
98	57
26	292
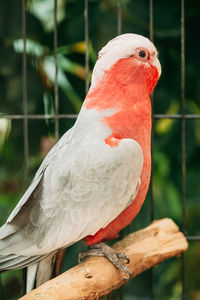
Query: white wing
82	185
85	194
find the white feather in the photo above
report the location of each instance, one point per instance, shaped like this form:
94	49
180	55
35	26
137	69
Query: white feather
31	273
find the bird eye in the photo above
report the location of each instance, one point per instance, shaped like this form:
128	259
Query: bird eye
142	53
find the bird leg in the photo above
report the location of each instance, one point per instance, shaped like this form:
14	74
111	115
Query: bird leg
59	261
102	249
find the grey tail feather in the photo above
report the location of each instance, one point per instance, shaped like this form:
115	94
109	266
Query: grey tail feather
39	269
40	272
45	269
31	275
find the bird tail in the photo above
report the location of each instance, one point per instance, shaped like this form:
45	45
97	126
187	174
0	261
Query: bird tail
40	272
39	268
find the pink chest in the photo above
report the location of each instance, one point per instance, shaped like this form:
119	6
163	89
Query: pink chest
142	136
131	120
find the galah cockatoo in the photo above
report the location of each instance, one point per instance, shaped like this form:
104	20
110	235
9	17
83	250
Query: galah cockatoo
93	182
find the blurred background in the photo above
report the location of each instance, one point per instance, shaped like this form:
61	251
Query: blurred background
167	183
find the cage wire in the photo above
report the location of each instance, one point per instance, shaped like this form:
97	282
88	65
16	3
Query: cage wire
57	116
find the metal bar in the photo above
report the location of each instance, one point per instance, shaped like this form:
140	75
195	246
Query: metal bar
25	112
56	96
86	47
119	17
73	116
183	114
193	238
119	31
151	35
151	20
36	117
183	139
178	116
24	92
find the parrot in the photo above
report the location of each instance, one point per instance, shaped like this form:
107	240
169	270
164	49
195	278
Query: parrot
94	180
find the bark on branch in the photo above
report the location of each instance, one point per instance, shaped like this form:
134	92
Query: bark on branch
97	277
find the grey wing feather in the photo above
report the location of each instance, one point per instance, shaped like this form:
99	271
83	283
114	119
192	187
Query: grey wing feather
13	261
25	197
6	230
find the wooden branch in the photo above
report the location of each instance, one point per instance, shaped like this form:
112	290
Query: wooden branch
97	277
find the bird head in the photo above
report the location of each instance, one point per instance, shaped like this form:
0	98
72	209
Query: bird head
128	59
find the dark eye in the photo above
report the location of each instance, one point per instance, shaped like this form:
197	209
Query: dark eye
142	53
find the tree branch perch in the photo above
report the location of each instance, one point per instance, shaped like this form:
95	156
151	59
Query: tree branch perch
97	277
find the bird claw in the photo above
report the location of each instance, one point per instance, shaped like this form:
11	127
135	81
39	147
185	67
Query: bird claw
123	256
102	249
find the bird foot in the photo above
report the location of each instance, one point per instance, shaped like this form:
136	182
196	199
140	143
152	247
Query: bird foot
102	249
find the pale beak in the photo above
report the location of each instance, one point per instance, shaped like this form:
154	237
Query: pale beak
156	63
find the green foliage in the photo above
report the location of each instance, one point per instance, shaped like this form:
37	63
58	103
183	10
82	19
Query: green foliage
71	77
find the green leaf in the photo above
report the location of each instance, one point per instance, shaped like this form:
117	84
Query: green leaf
5	129
32	47
48	104
63	82
43	11
71	67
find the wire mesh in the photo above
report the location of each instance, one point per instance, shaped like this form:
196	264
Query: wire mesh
183	116
119	17
24	93
183	139
151	36
119	31
56	95
86	47
25	110
74	116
